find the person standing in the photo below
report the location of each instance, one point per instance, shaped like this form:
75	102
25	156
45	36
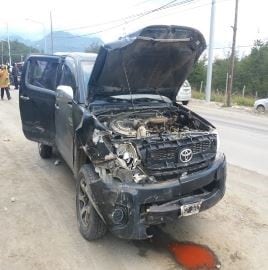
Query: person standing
4	82
15	73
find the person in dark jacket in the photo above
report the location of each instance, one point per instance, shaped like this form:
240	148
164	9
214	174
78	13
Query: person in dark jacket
15	73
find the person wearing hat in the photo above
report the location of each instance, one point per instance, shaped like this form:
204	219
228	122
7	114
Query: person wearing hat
4	82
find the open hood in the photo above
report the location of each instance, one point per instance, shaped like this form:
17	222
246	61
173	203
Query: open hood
154	60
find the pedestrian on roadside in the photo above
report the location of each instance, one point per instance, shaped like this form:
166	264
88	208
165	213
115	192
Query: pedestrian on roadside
4	82
15	73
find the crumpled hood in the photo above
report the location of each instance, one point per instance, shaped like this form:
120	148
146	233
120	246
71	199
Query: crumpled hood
155	60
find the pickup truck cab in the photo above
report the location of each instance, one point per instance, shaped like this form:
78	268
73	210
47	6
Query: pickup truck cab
139	158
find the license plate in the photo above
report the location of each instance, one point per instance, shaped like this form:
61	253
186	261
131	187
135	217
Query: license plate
190	209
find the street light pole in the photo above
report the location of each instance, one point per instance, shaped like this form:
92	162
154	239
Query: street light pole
51	33
2	55
210	51
9	55
2	50
8	41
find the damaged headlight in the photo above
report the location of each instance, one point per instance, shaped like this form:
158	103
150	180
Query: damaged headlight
128	153
129	161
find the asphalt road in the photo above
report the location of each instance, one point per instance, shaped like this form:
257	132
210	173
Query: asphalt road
38	228
243	135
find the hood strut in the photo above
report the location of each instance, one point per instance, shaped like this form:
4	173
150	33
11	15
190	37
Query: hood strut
128	86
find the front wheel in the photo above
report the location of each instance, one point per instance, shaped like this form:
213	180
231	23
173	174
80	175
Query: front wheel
90	224
185	102
260	108
45	151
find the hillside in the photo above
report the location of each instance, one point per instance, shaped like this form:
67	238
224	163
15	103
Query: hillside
66	42
63	42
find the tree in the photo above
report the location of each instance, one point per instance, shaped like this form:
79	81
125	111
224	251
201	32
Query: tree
220	69
18	51
198	74
93	48
252	70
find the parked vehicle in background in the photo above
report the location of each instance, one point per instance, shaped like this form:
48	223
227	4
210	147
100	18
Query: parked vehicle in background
185	93
261	105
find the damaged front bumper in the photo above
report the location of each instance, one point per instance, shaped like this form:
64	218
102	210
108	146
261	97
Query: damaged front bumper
129	209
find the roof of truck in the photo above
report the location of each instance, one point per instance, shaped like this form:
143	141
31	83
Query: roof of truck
91	56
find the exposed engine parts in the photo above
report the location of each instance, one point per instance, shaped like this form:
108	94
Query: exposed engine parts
138	146
143	125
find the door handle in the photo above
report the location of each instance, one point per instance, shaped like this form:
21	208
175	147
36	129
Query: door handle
57	106
24	98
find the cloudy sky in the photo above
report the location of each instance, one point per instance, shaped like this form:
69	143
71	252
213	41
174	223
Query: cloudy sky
112	19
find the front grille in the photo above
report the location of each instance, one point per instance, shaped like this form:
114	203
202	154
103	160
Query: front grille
164	154
175	173
173	153
201	147
162	158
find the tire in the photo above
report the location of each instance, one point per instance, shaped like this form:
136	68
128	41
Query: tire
91	226
185	102
260	109
45	151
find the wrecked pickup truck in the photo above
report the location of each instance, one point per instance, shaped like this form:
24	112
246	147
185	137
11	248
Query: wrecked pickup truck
140	159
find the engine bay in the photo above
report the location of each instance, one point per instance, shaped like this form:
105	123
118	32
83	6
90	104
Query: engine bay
146	145
143	124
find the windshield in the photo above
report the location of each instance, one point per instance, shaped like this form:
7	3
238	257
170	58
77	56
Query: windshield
86	68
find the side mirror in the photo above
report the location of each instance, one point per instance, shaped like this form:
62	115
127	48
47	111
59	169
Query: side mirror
65	93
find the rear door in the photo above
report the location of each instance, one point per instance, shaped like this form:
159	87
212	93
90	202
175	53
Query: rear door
37	98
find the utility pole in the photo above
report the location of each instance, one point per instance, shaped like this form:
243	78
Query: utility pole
2	55
51	33
210	51
232	59
8	43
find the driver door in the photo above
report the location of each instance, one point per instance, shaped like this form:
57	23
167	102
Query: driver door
37	98
64	135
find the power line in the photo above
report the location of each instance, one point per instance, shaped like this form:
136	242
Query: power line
134	17
192	8
138	14
107	22
229	47
141	3
111	21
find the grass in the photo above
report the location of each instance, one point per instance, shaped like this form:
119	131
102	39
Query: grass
218	97
244	101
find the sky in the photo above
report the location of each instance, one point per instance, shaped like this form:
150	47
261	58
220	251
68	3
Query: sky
113	19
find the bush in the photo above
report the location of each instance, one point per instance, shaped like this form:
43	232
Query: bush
218	97
198	95
243	101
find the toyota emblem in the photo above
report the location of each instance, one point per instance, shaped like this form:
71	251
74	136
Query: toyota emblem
186	155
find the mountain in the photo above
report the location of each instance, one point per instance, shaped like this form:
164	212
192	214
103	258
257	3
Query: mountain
16	37
66	42
62	42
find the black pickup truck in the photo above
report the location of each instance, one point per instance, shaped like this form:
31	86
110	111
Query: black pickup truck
139	158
